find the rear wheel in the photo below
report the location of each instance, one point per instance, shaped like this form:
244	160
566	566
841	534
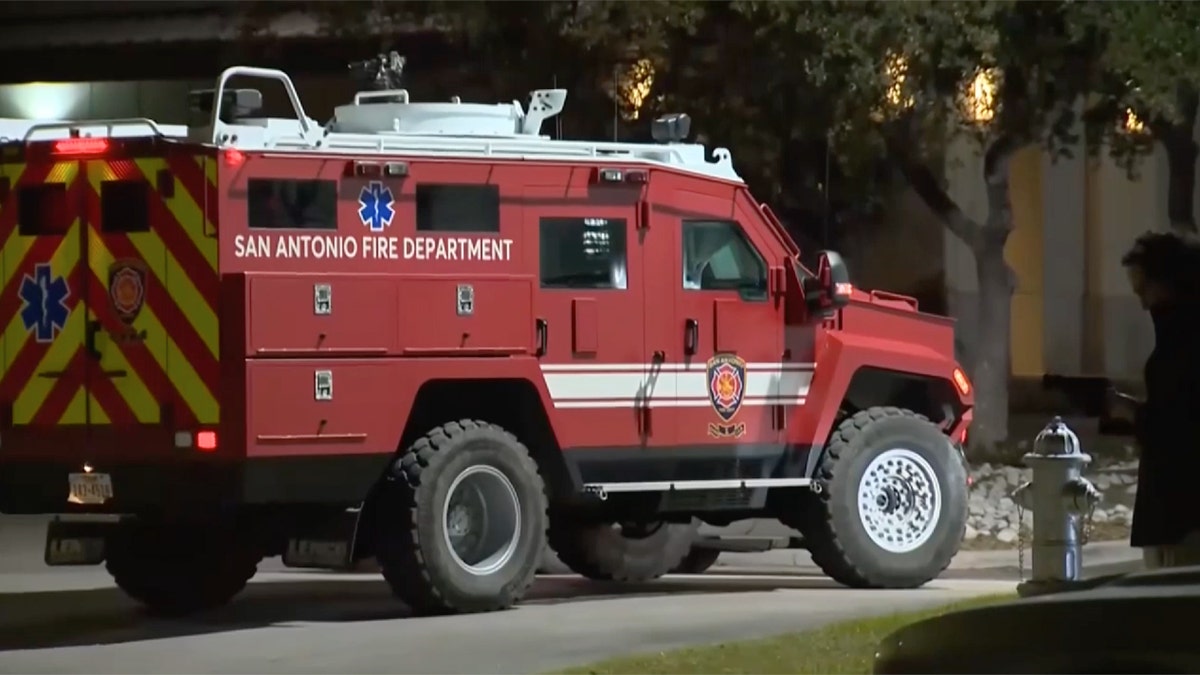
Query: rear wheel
461	520
621	552
178	569
893	506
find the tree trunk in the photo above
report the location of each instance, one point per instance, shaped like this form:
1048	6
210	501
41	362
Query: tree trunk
996	285
989	431
991	370
1180	145
1181	179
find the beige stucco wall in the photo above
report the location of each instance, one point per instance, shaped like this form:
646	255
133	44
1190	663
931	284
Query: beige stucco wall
1074	218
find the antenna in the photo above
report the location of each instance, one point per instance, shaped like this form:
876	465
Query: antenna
828	204
616	95
557	119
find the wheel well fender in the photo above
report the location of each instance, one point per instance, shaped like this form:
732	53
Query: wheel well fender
872	373
512	403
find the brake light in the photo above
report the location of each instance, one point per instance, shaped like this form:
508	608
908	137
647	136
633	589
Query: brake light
81	146
234	157
961	382
206	441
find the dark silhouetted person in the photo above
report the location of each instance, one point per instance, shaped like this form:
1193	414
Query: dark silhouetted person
1164	272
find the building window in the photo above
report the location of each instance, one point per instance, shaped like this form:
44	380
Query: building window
583	253
458	208
42	210
280	204
718	257
124	207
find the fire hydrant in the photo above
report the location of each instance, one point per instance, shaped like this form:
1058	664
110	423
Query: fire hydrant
1060	498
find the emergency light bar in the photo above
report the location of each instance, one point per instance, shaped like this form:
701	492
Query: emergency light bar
81	146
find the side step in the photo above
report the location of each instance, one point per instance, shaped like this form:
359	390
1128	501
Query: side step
748	544
602	490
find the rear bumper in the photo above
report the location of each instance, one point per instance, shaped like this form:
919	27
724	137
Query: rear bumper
33	487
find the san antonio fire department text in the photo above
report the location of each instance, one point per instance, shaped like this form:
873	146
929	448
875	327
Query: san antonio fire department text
372	248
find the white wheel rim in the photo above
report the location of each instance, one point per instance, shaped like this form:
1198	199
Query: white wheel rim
899	500
481	519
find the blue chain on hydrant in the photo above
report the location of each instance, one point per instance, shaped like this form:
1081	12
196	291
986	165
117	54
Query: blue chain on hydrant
1060	498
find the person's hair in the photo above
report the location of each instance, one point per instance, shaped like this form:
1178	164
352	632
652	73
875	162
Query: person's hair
1169	258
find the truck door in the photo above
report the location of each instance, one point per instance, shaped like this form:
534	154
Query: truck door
729	330
124	339
42	307
589	315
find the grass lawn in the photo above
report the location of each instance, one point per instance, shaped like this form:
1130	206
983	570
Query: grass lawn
847	647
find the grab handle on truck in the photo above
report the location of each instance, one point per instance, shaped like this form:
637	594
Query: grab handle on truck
109	125
262	74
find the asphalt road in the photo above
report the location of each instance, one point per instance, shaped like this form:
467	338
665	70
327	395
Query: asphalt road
72	620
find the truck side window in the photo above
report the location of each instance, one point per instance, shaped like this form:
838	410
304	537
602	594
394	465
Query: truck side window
42	210
124	206
282	204
458	208
583	253
718	257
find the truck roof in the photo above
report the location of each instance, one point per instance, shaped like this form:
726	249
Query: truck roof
387	122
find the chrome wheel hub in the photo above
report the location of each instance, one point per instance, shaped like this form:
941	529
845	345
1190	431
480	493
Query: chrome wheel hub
899	500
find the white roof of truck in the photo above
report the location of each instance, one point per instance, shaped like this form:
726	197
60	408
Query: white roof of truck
387	122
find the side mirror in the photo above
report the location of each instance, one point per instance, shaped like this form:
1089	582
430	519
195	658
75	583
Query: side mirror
830	289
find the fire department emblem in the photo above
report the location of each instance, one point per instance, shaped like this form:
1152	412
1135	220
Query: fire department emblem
726	377
127	288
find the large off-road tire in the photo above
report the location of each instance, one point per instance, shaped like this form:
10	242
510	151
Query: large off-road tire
461	520
607	552
893	505
697	561
175	570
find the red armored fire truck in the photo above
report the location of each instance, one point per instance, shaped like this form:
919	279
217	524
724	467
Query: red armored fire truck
425	333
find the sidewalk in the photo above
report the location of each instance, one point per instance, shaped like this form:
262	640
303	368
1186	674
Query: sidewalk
1102	557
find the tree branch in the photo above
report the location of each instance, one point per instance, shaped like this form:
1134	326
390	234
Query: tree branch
927	186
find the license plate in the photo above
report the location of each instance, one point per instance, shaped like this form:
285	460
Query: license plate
90	488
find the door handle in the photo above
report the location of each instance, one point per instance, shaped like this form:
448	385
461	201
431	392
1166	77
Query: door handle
543	336
93	327
691	336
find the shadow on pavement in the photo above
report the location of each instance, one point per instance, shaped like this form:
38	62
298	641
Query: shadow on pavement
50	619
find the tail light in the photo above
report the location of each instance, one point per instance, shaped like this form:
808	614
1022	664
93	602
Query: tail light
234	157
206	441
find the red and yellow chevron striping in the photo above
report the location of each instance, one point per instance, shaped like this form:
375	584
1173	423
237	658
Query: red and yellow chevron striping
162	355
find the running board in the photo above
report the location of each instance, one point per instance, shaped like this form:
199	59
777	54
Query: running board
602	490
748	544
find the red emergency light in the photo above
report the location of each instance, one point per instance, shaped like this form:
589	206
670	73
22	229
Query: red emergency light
81	146
234	157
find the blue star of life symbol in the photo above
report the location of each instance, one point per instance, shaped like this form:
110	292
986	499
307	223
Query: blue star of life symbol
44	303
375	203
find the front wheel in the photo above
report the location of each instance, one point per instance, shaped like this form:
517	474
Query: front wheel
893	506
461	520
